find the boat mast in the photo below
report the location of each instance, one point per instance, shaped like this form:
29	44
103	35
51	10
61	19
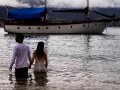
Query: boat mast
46	10
45	4
88	13
6	7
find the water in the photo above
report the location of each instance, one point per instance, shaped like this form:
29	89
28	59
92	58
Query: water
76	62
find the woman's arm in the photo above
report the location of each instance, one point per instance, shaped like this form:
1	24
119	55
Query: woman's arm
46	60
33	57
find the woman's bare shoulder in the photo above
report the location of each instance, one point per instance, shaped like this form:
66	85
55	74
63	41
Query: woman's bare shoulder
45	53
34	54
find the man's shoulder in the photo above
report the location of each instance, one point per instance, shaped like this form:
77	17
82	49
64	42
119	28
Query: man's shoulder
16	46
25	45
19	45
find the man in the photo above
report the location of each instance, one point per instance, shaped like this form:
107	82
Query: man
21	56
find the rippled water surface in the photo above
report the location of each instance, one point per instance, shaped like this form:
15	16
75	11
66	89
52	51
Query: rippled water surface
76	62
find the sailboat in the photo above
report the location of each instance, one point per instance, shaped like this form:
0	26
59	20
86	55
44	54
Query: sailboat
34	21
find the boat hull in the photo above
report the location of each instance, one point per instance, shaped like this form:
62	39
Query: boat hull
71	28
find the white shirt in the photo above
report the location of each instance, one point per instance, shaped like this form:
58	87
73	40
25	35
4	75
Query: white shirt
21	55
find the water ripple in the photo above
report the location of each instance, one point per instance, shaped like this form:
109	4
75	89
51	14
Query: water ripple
76	62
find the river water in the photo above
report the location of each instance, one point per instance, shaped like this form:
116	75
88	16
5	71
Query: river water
75	62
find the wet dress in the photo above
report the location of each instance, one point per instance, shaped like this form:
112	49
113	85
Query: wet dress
40	65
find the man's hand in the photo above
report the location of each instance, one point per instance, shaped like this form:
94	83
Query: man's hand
29	66
10	68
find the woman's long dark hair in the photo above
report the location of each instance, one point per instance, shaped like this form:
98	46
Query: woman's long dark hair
40	50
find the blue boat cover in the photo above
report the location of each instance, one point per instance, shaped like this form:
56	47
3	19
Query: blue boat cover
26	13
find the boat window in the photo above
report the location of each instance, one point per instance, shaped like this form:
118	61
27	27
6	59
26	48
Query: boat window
59	27
83	25
46	27
18	27
38	27
95	24
71	26
29	27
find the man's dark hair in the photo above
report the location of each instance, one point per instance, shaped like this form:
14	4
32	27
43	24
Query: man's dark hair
19	38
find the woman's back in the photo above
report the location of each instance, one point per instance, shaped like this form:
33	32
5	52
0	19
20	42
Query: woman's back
40	64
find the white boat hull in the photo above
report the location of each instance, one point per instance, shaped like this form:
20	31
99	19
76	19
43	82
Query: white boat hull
80	28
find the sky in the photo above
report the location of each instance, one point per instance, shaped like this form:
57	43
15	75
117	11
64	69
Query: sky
68	3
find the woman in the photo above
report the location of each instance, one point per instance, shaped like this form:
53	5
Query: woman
40	58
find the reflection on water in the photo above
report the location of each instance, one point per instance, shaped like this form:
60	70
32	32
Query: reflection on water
40	79
76	62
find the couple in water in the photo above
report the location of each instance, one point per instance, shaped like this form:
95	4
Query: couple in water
21	56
